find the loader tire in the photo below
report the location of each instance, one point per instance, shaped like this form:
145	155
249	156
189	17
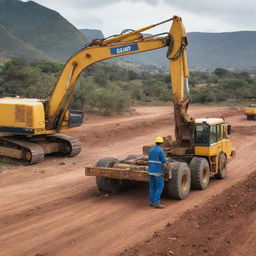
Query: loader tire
178	186
105	184
222	172
200	173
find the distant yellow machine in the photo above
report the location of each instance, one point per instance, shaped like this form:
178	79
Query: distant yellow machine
250	112
202	147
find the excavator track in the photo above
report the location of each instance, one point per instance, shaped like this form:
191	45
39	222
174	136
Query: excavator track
20	151
74	143
28	151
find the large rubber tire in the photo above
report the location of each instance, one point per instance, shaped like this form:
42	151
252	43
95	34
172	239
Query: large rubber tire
105	184
200	173
179	185
222	172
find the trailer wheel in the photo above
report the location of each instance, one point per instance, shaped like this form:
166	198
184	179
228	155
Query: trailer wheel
179	185
106	184
222	172
200	173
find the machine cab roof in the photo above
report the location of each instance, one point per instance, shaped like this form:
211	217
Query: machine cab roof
209	121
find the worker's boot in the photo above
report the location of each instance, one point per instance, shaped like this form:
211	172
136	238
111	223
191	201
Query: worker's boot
158	205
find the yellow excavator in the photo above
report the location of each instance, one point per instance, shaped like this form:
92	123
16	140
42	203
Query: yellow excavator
202	147
30	127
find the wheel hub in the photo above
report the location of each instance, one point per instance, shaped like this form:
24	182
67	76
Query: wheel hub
184	182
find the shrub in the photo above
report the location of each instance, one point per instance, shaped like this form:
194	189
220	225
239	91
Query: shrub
111	100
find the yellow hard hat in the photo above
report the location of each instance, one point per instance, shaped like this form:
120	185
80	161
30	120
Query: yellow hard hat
159	140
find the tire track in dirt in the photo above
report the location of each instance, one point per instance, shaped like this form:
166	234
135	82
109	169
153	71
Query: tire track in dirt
70	218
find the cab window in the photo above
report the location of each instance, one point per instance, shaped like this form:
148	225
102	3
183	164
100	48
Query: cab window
201	135
218	129
213	134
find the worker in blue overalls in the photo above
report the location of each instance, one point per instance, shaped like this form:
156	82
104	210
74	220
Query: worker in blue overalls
156	157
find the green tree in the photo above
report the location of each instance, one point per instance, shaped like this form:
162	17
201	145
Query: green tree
203	95
111	100
221	72
50	67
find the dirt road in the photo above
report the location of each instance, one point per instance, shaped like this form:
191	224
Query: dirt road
223	226
53	209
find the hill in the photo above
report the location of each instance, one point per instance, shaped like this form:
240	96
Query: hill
92	33
227	50
11	46
42	28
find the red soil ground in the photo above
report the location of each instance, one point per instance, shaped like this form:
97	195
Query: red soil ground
225	225
52	209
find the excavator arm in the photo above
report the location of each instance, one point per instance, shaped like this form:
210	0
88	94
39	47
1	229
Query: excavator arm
184	124
120	45
64	88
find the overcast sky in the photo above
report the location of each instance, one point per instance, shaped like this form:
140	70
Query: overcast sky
112	16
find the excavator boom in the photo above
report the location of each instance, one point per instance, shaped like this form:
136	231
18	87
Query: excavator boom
184	124
120	45
63	92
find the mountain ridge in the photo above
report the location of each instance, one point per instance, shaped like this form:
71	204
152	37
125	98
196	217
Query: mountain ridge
34	31
41	27
92	33
222	49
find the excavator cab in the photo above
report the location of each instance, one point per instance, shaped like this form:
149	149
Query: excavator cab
75	118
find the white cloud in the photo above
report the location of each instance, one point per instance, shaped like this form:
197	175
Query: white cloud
239	14
112	16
